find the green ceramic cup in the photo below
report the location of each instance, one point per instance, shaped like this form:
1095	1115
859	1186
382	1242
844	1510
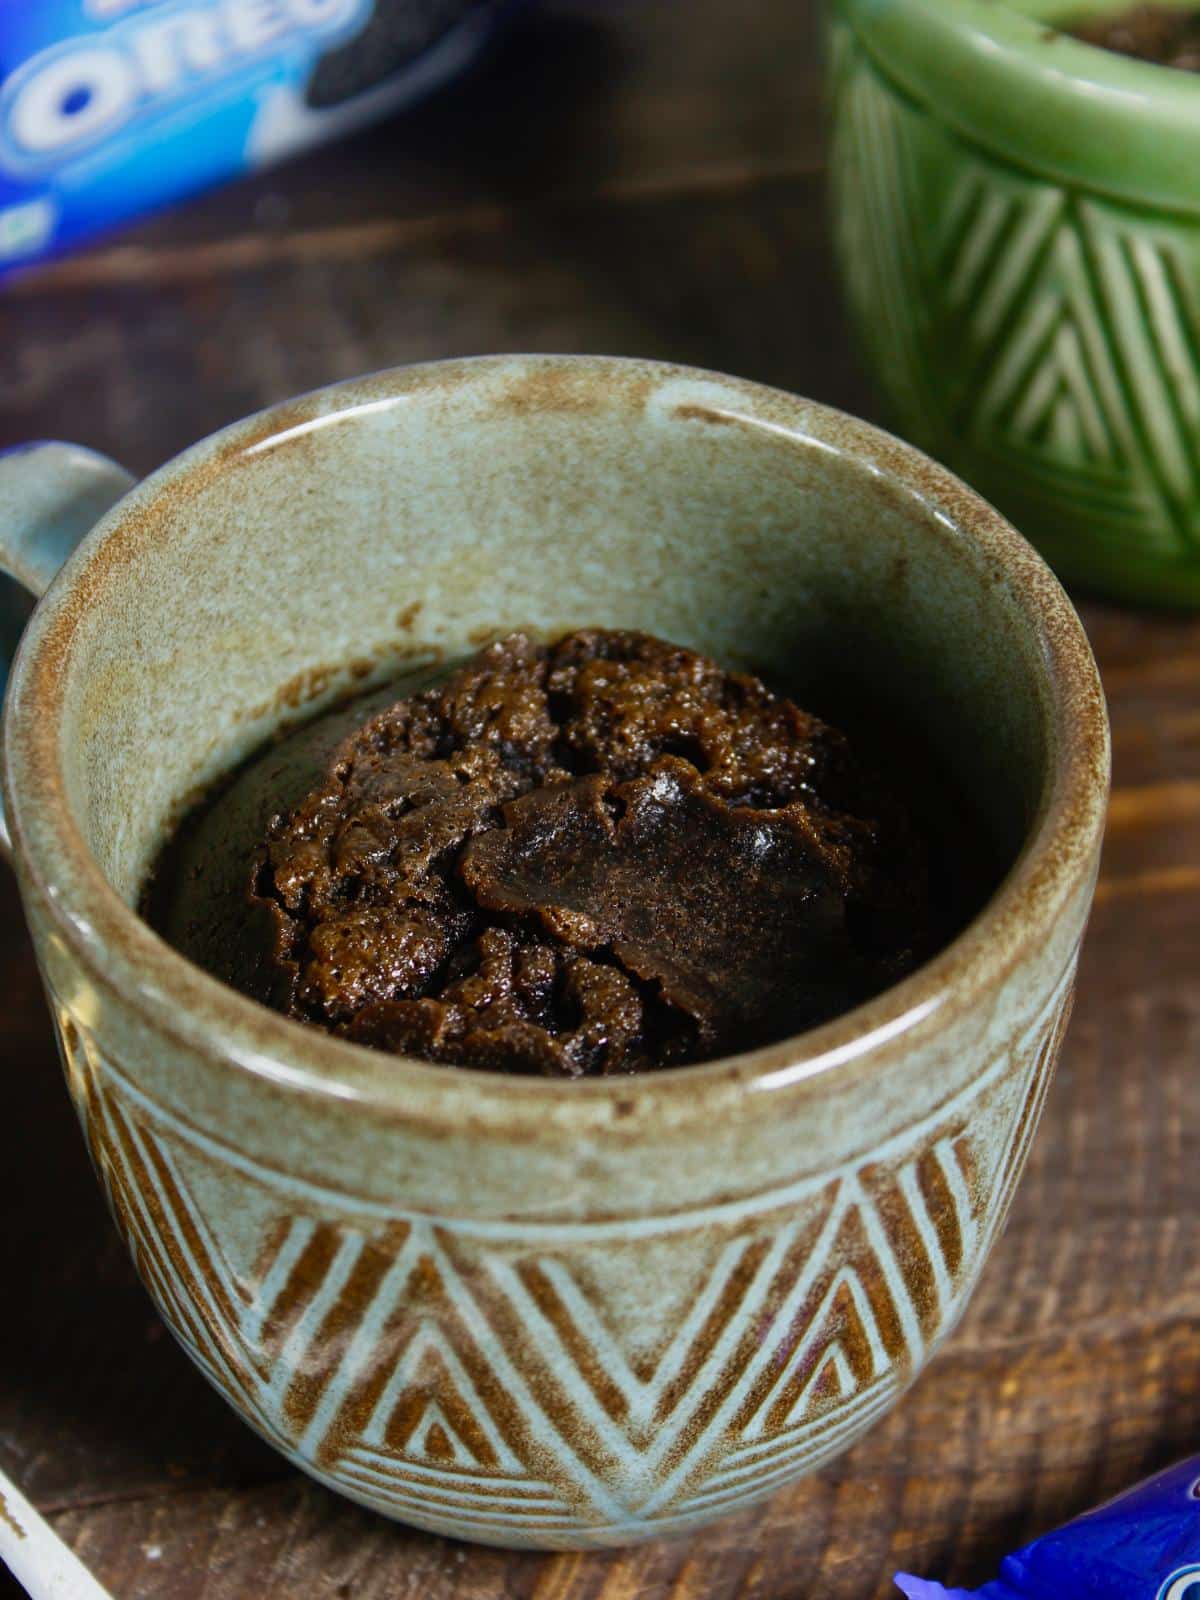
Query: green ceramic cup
1018	224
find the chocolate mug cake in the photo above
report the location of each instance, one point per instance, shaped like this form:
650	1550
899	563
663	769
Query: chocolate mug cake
600	856
1169	36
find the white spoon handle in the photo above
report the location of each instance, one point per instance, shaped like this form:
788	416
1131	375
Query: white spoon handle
36	1556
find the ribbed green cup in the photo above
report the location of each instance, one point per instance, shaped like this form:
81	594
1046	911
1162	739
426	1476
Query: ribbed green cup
1017	218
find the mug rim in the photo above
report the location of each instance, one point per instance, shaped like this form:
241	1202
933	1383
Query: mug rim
1017	86
232	1032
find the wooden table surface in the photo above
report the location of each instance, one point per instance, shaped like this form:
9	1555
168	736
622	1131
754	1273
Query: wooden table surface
643	178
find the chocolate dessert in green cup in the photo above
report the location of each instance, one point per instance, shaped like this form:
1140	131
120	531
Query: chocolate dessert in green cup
1017	216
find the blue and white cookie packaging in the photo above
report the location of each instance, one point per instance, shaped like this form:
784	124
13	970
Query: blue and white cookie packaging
1144	1545
111	108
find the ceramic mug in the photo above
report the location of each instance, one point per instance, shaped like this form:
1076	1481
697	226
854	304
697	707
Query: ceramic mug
515	1310
1018	227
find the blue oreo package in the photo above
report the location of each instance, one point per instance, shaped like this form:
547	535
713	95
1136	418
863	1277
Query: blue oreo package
111	108
1144	1545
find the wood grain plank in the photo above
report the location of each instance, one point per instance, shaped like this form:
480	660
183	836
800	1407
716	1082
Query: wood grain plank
643	276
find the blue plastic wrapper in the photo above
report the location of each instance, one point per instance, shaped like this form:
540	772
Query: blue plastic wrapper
1144	1545
111	108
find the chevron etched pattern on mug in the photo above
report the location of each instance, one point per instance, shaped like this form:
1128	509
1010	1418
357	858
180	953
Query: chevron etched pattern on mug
565	1381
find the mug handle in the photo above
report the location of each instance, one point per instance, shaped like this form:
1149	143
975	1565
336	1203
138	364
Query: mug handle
50	496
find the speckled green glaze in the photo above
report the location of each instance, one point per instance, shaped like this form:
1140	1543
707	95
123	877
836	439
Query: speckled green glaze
523	1311
1018	224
